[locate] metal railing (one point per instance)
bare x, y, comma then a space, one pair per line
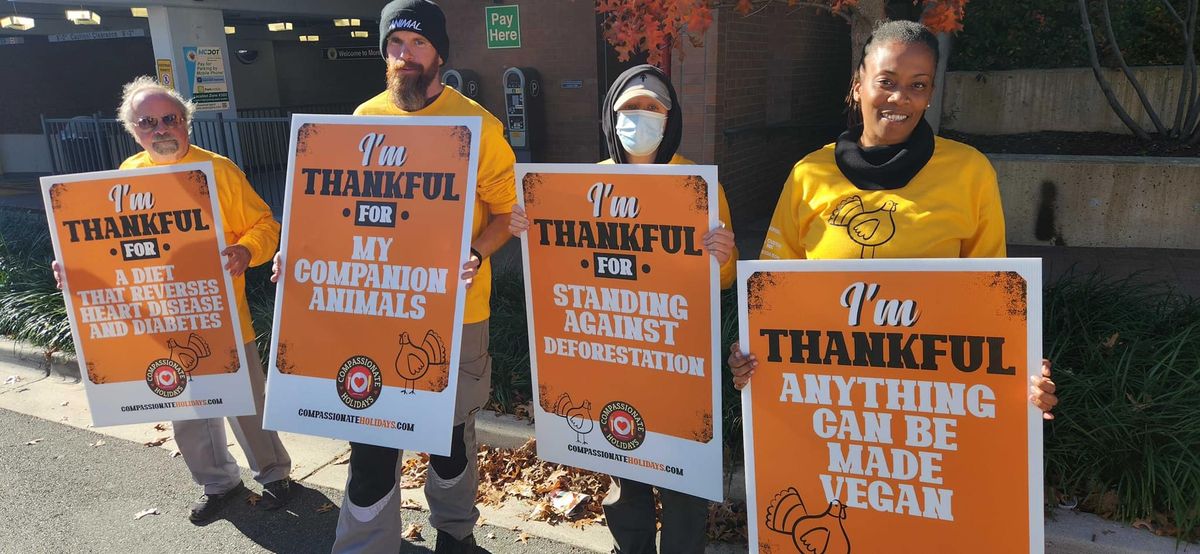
342, 108
258, 145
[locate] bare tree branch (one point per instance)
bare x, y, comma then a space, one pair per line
824, 7
1189, 37
1137, 85
1104, 85
1171, 8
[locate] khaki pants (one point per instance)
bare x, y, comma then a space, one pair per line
205, 450
629, 509
370, 518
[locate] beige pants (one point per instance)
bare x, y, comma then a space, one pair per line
205, 450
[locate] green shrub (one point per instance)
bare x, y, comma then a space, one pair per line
1031, 34
1127, 362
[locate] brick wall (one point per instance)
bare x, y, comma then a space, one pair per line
783, 75
558, 38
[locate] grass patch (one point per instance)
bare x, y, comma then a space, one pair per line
1127, 361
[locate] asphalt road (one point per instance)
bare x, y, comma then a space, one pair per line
62, 494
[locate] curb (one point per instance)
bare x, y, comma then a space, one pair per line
1066, 531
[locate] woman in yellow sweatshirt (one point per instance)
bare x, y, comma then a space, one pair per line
889, 188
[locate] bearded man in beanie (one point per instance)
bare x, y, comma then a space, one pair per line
415, 45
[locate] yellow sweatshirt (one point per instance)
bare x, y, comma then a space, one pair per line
495, 186
246, 218
950, 209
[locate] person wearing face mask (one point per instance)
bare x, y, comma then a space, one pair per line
889, 188
643, 124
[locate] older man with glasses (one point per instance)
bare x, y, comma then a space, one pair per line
159, 119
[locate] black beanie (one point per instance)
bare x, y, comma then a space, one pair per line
423, 17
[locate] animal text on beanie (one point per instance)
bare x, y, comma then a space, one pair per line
418, 16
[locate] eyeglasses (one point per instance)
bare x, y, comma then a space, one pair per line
148, 123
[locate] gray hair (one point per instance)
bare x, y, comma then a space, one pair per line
148, 84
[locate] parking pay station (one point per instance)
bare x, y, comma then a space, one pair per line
464, 81
523, 112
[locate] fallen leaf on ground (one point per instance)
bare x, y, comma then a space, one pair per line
326, 507
12, 379
176, 453
158, 442
409, 504
412, 533
64, 403
160, 426
253, 498
491, 535
34, 441
542, 511
523, 538
146, 512
97, 443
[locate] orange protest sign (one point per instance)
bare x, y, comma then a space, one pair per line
889, 410
369, 307
152, 313
622, 304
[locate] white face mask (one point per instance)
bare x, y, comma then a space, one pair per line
640, 131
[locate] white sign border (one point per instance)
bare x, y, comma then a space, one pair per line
1028, 268
237, 399
290, 386
703, 486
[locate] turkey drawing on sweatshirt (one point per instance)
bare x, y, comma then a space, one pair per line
870, 229
812, 533
414, 360
579, 418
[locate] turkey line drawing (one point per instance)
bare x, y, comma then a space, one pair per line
868, 229
579, 418
188, 356
414, 361
822, 533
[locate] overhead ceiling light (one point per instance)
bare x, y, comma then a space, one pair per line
347, 22
309, 38
360, 34
17, 23
230, 30
139, 12
83, 17
280, 26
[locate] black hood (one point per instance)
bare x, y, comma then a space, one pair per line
608, 118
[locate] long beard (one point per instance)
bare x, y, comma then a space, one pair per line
408, 91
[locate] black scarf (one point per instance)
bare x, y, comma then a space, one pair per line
883, 167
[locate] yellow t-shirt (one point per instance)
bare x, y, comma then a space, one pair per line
950, 209
495, 185
245, 217
729, 268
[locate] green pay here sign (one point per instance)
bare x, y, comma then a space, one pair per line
503, 24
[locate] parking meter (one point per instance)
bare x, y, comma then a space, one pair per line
523, 112
464, 81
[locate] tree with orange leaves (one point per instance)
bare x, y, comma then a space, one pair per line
653, 25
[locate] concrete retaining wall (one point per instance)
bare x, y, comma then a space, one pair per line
1100, 201
1031, 100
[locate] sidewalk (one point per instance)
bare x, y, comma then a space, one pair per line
54, 393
